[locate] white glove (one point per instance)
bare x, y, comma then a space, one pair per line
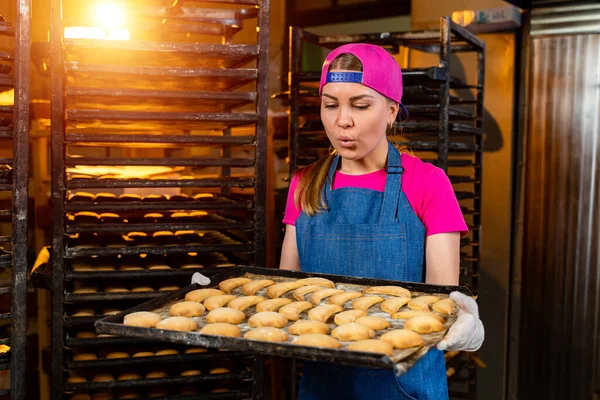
200, 279
467, 332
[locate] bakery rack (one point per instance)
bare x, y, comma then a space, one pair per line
158, 170
14, 166
444, 127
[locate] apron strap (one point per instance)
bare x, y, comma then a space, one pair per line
393, 185
330, 176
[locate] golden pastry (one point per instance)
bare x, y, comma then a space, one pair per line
341, 298
402, 338
186, 309
424, 324
319, 295
445, 306
292, 311
305, 327
181, 324
117, 354
156, 375
218, 301
167, 352
110, 311
272, 304
168, 288
304, 290
143, 354
142, 289
267, 334
221, 329
199, 295
373, 322
84, 312
364, 303
144, 319
346, 317
191, 372
267, 318
352, 332
241, 303
114, 289
196, 350
278, 289
219, 370
129, 376
422, 303
159, 267
323, 312
372, 346
389, 290
85, 357
252, 287
317, 281
226, 315
411, 313
392, 305
317, 340
103, 377
229, 284
76, 379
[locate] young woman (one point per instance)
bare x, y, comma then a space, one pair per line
369, 210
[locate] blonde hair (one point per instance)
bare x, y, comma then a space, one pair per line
307, 196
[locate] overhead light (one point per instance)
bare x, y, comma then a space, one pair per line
110, 14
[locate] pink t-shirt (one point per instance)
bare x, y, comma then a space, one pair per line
426, 187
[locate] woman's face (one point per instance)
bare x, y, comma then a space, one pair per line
355, 118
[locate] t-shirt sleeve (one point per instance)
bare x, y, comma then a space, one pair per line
291, 212
440, 212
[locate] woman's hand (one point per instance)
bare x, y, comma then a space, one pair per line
467, 333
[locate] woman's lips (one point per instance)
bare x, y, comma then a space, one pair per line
345, 142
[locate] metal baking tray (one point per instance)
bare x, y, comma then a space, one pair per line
189, 55
401, 361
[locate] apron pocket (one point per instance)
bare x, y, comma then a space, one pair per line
400, 389
379, 251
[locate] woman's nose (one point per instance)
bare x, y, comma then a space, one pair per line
345, 118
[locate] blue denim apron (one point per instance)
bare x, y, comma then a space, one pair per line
375, 235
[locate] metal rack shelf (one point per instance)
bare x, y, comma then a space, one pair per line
141, 383
113, 98
14, 126
133, 361
161, 100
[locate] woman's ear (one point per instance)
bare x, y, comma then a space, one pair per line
394, 109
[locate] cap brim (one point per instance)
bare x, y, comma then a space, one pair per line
403, 113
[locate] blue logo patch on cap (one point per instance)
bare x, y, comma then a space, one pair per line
352, 77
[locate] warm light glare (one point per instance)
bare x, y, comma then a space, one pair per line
7, 98
110, 15
88, 32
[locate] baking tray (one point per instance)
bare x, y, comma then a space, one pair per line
401, 361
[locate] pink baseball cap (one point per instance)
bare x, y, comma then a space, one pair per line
380, 71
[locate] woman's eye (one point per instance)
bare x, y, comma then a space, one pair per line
361, 106
330, 106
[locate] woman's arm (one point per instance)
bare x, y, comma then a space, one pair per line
442, 258
289, 251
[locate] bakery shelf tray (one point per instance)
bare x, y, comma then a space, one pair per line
401, 360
